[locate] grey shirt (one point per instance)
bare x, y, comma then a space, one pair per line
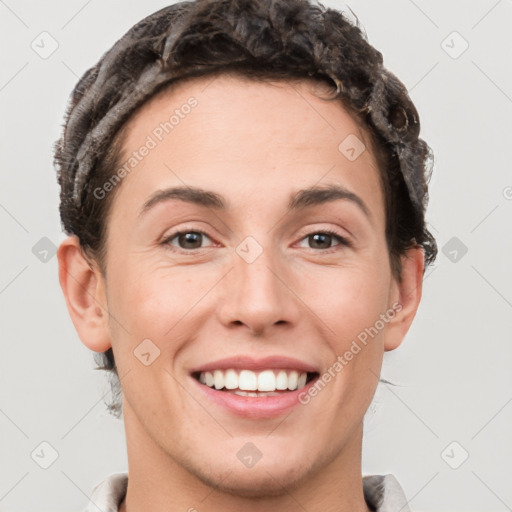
381, 492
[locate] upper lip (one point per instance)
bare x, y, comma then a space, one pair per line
244, 362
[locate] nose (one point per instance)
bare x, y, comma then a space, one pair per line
259, 295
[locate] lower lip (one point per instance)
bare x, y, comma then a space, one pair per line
255, 406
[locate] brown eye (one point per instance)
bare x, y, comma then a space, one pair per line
191, 240
320, 241
324, 240
186, 240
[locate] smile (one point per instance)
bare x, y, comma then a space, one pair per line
255, 388
270, 382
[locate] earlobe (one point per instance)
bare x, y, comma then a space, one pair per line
407, 294
84, 290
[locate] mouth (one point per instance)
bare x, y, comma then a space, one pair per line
244, 382
252, 388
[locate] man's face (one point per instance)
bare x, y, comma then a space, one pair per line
255, 287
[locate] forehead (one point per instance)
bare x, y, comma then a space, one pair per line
229, 131
249, 103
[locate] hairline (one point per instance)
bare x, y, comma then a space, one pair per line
117, 150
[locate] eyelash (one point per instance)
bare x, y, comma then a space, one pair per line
341, 239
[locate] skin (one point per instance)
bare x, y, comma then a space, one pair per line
198, 305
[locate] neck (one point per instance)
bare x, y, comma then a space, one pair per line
157, 482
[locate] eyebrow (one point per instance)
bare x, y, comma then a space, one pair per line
303, 198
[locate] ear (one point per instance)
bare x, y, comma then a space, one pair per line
83, 286
406, 296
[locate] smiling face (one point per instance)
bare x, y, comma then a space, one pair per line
245, 240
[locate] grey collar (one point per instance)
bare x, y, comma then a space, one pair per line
381, 492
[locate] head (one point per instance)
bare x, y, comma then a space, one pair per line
251, 102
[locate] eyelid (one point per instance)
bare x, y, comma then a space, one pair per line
186, 229
343, 234
343, 240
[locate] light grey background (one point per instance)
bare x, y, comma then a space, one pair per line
454, 366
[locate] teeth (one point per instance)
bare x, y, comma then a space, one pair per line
252, 393
247, 380
231, 379
218, 379
282, 381
267, 381
293, 379
249, 383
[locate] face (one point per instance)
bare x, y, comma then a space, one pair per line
226, 270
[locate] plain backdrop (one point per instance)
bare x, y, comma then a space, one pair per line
445, 430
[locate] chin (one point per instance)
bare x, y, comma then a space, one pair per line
261, 482
280, 469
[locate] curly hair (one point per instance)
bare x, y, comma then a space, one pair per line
258, 39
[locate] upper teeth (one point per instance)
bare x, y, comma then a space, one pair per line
247, 380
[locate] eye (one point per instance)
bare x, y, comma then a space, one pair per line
186, 239
191, 240
323, 239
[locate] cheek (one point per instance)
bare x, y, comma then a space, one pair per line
353, 309
149, 308
347, 300
151, 301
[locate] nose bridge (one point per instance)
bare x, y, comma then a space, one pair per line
257, 280
256, 294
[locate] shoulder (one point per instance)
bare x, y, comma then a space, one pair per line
384, 494
107, 495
